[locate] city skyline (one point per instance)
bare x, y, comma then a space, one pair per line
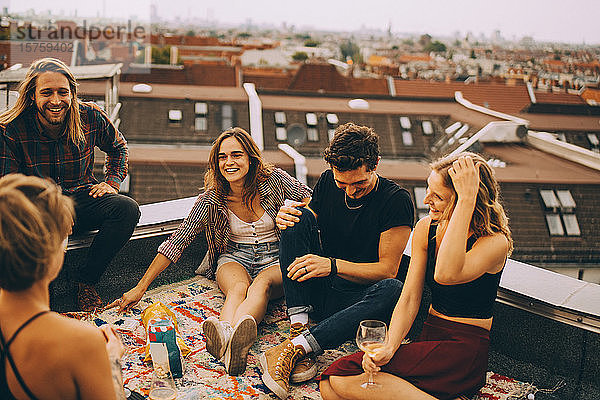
542, 20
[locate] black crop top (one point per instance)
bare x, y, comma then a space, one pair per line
473, 299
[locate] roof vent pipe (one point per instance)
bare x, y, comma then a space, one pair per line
255, 109
531, 94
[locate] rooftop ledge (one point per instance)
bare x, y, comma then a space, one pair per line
526, 287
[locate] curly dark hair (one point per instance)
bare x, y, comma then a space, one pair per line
353, 146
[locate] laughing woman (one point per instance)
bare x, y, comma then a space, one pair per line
459, 250
237, 213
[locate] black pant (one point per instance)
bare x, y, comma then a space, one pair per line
338, 304
115, 216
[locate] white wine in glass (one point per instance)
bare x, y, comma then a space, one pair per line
370, 337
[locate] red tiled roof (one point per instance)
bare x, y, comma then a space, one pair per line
558, 98
161, 91
318, 77
194, 74
267, 79
591, 94
498, 97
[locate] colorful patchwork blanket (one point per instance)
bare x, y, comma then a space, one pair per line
196, 299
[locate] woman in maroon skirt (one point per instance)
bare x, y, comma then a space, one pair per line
460, 250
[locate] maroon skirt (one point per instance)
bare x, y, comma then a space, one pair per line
448, 359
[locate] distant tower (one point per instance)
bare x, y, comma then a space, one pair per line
389, 30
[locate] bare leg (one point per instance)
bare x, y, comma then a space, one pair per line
390, 387
327, 392
233, 280
266, 286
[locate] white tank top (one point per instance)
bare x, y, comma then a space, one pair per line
261, 231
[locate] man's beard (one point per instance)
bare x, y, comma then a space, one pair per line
50, 120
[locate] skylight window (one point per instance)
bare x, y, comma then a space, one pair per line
201, 108
175, 116
332, 119
332, 122
405, 123
280, 128
427, 127
560, 212
453, 128
226, 116
311, 119
549, 198
200, 119
407, 138
280, 118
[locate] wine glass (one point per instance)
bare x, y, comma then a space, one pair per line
370, 337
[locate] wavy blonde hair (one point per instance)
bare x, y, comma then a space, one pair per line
259, 170
35, 218
489, 216
26, 99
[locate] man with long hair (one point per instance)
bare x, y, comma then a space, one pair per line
339, 256
49, 133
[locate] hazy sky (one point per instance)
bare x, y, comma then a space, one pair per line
572, 21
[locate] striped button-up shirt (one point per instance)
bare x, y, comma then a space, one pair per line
26, 148
209, 214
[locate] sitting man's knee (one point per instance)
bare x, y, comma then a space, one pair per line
129, 210
307, 221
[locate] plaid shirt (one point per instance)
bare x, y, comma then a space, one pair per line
209, 214
27, 149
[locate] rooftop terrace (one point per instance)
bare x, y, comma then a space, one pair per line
546, 329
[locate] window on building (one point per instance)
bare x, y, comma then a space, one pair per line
427, 127
226, 116
405, 123
453, 128
312, 134
560, 212
200, 119
280, 126
280, 118
281, 133
332, 123
175, 116
407, 138
422, 208
594, 142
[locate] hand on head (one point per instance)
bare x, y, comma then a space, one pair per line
465, 177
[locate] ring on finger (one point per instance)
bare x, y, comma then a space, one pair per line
305, 270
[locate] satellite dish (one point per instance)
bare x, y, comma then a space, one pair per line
296, 135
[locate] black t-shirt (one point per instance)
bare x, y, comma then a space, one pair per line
353, 234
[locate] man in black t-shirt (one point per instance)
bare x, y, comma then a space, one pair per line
338, 256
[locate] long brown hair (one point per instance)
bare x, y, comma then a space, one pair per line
489, 216
35, 217
26, 99
258, 171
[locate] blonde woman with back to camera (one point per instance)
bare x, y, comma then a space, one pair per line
45, 355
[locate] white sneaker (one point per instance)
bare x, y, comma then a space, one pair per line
217, 335
242, 338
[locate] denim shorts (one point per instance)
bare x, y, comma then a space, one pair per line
253, 257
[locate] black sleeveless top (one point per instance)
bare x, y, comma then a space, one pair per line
473, 299
5, 354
